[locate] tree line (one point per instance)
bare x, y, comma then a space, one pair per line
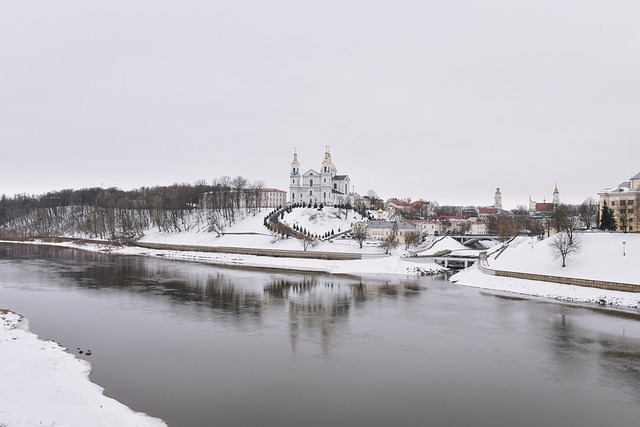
111, 213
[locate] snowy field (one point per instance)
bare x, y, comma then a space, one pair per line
43, 385
602, 257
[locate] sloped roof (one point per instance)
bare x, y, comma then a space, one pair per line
544, 207
636, 177
487, 211
399, 203
341, 178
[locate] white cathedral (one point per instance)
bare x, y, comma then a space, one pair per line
326, 186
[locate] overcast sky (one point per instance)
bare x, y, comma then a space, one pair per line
440, 100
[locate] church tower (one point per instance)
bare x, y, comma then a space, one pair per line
497, 199
295, 181
556, 197
326, 173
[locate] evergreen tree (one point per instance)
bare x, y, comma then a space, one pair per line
607, 220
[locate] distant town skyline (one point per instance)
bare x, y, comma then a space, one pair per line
437, 101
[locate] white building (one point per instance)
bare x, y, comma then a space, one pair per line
272, 198
269, 198
381, 229
326, 186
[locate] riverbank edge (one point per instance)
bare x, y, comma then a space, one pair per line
476, 278
234, 259
44, 383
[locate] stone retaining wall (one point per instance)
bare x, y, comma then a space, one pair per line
339, 256
600, 284
588, 283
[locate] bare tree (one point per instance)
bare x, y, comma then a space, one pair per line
465, 227
521, 219
373, 199
563, 247
359, 232
412, 237
634, 211
308, 241
623, 215
588, 212
391, 240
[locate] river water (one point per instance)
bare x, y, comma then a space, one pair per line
198, 345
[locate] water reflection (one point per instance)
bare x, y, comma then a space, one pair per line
316, 304
199, 345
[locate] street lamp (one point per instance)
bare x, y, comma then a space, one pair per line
624, 252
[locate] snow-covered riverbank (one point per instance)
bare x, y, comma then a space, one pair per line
602, 256
43, 385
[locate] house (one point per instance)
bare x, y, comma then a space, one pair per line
397, 206
453, 224
623, 200
484, 213
428, 227
478, 228
381, 229
272, 198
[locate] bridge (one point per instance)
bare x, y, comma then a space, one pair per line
469, 240
455, 262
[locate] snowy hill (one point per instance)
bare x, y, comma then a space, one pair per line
602, 256
250, 232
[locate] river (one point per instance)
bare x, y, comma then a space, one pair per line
198, 345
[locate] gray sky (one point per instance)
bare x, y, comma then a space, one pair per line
441, 100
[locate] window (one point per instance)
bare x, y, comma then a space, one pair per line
311, 192
613, 203
630, 202
310, 183
335, 186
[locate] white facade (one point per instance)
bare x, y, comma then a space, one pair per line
326, 186
272, 198
497, 199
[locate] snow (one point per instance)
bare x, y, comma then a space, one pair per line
249, 232
43, 385
601, 257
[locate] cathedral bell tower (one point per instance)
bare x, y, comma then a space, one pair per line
326, 195
295, 181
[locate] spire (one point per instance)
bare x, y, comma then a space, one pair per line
556, 196
295, 157
327, 154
